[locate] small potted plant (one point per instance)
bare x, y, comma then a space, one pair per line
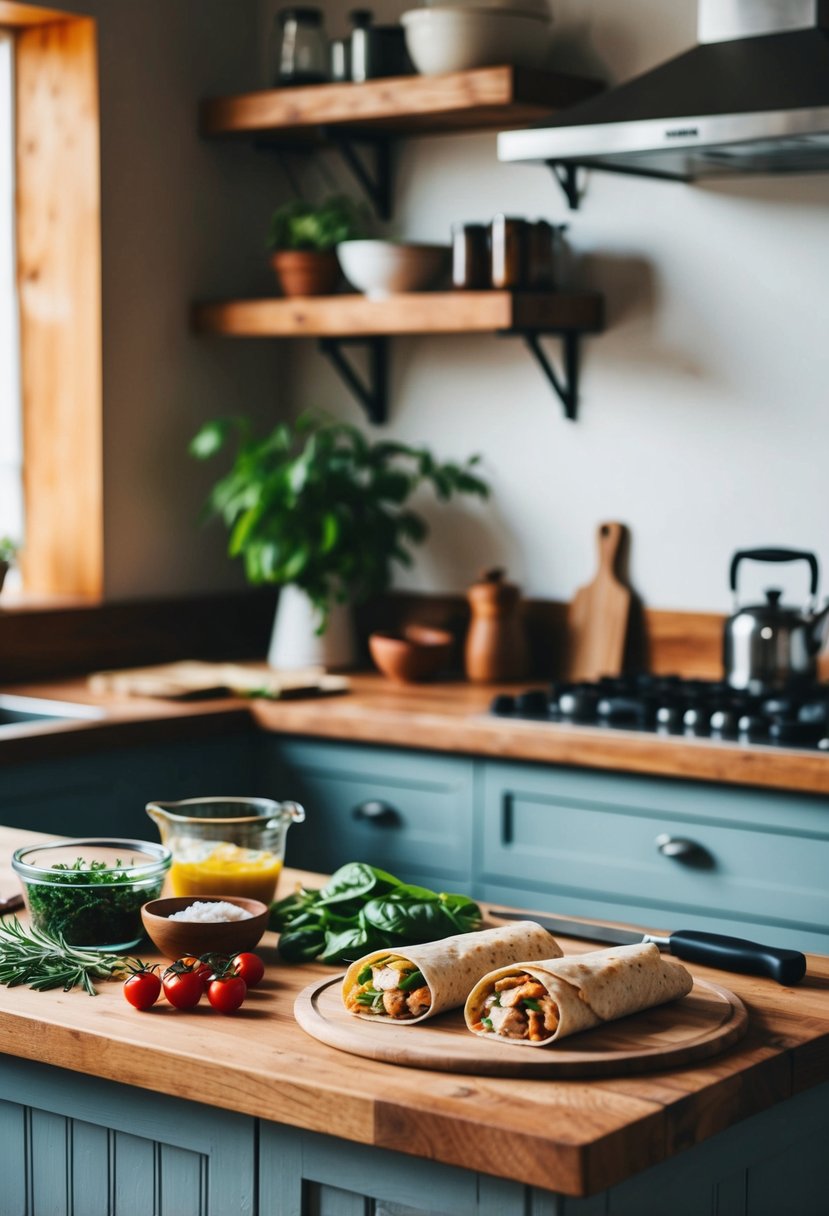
304, 238
8, 552
321, 510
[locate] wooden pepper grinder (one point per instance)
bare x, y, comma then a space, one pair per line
496, 649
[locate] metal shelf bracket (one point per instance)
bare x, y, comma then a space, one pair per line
373, 394
567, 178
567, 389
377, 185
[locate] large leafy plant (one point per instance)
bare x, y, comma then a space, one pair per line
299, 225
319, 505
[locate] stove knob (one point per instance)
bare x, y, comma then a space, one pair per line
753, 727
723, 722
532, 704
695, 721
579, 703
503, 705
823, 745
793, 732
669, 718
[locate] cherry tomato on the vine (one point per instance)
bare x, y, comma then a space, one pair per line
182, 988
202, 968
142, 989
227, 992
249, 966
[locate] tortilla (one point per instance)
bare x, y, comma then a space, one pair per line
589, 989
451, 967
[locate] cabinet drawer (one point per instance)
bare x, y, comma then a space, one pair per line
407, 812
594, 837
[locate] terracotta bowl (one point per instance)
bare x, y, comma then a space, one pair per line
304, 272
415, 654
177, 938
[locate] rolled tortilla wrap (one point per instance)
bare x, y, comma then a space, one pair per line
580, 992
451, 967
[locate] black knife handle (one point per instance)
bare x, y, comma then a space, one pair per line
736, 954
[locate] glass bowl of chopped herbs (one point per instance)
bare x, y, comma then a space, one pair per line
90, 892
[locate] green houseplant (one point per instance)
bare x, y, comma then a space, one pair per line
321, 510
303, 239
8, 553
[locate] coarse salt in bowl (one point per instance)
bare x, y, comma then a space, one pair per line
211, 912
177, 938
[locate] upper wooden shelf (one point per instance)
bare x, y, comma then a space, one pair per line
484, 98
450, 312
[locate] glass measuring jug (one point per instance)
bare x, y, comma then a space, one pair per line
225, 846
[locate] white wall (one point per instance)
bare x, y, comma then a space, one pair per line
704, 416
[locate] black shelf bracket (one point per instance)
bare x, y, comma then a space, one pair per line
567, 389
373, 393
376, 184
567, 178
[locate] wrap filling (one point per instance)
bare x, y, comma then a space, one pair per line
392, 987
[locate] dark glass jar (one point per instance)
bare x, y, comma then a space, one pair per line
470, 256
301, 48
508, 259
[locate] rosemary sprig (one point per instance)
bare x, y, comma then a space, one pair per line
30, 956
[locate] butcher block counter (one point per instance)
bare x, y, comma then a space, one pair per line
448, 717
759, 1102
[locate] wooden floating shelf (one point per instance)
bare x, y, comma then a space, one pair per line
451, 312
484, 98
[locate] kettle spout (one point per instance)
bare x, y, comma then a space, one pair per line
819, 629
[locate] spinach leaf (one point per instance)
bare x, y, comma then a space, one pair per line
301, 945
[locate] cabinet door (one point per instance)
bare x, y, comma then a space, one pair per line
407, 812
305, 1174
71, 1144
105, 793
589, 843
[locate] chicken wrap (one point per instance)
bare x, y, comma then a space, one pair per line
417, 982
543, 1001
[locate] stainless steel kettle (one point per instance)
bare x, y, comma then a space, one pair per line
769, 646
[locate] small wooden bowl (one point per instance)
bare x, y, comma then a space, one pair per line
413, 655
178, 938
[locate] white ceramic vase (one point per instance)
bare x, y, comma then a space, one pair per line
295, 642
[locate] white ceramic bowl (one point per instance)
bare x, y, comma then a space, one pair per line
385, 268
456, 39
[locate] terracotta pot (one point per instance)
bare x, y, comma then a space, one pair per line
303, 272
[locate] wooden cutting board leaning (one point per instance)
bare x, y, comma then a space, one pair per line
191, 678
597, 618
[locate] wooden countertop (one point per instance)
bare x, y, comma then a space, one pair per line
574, 1137
446, 717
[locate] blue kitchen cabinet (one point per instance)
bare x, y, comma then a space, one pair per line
72, 1144
104, 793
405, 811
656, 852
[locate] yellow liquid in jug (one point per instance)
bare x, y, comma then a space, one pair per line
217, 868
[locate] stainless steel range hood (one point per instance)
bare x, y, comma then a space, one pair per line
752, 97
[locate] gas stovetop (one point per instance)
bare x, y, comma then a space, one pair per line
669, 705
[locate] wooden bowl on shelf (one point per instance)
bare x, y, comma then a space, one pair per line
412, 655
179, 938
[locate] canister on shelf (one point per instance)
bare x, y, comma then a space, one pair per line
542, 240
470, 256
508, 258
301, 50
496, 646
339, 59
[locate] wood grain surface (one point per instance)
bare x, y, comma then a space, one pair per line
493, 97
575, 1136
597, 619
706, 1022
423, 312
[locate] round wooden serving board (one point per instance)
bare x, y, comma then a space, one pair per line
705, 1022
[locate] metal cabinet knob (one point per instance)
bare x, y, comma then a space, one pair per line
680, 848
379, 814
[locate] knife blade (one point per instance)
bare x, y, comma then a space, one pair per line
691, 945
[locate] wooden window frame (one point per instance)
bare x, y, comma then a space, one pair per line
59, 290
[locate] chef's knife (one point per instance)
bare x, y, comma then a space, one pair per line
709, 949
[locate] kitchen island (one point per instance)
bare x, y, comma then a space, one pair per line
108, 1110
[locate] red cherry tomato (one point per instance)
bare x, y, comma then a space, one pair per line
142, 989
183, 989
227, 993
249, 966
202, 968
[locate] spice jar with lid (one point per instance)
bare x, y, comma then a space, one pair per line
301, 48
496, 648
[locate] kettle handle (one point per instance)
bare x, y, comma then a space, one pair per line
776, 555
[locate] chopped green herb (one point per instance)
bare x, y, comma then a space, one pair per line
529, 1003
365, 975
368, 997
90, 904
413, 980
487, 1022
